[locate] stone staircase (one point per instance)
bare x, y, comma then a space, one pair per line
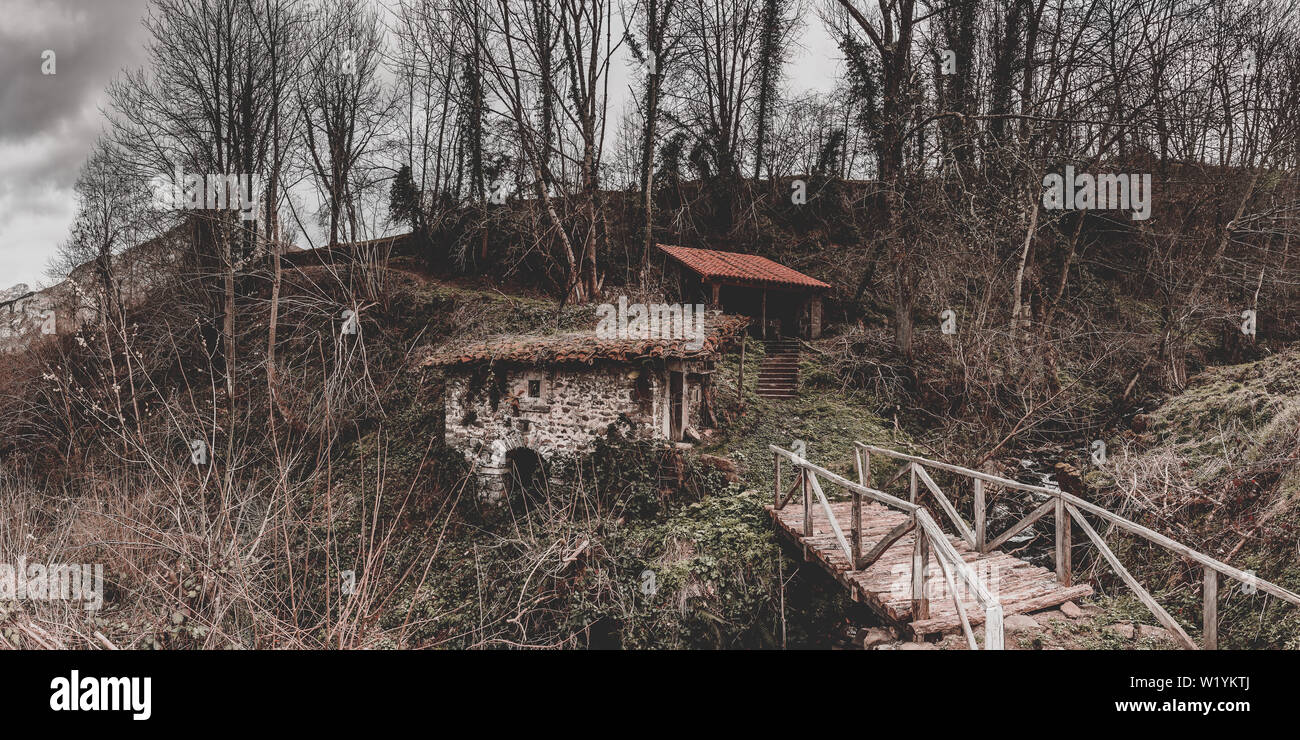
778, 375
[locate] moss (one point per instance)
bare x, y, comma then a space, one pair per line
828, 423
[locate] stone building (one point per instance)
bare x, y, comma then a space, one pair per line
513, 403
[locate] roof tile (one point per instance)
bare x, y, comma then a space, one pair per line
746, 268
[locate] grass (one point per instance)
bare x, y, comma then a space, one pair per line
827, 422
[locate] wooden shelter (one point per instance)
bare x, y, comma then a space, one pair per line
784, 301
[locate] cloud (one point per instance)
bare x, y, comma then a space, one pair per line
49, 122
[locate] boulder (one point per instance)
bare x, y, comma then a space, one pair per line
918, 646
873, 636
1153, 633
722, 464
1123, 629
1069, 478
1071, 610
1019, 623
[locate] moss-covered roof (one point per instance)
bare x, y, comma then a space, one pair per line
587, 347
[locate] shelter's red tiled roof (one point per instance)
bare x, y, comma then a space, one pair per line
742, 268
585, 348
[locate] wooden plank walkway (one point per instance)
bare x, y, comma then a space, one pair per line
886, 586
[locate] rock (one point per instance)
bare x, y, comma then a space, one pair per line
918, 646
1071, 610
871, 637
727, 467
1019, 623
1153, 633
1049, 615
1069, 478
1124, 630
1141, 423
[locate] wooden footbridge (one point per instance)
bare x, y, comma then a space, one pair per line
897, 559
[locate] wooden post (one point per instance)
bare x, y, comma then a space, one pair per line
920, 559
714, 287
1062, 543
980, 541
807, 503
866, 467
1210, 595
912, 469
857, 464
993, 627
764, 319
776, 500
855, 530
740, 382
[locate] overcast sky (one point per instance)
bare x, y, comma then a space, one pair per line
48, 122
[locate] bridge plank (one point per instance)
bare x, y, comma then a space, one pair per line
885, 585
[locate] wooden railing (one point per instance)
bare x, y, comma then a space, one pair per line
1067, 508
929, 540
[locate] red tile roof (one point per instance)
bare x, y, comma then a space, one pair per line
741, 268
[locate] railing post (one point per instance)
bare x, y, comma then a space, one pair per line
855, 533
911, 469
857, 464
866, 467
807, 503
920, 560
993, 627
776, 500
980, 542
1210, 595
1062, 543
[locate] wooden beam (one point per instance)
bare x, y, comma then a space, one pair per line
956, 600
1210, 598
981, 541
790, 493
993, 637
807, 502
855, 531
887, 542
830, 516
920, 560
1063, 549
1030, 518
1117, 520
776, 484
962, 528
1160, 614
845, 483
740, 381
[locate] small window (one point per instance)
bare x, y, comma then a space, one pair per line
535, 389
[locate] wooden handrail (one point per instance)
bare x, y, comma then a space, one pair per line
1109, 516
1068, 506
929, 536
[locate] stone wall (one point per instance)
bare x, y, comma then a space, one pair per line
572, 407
26, 316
